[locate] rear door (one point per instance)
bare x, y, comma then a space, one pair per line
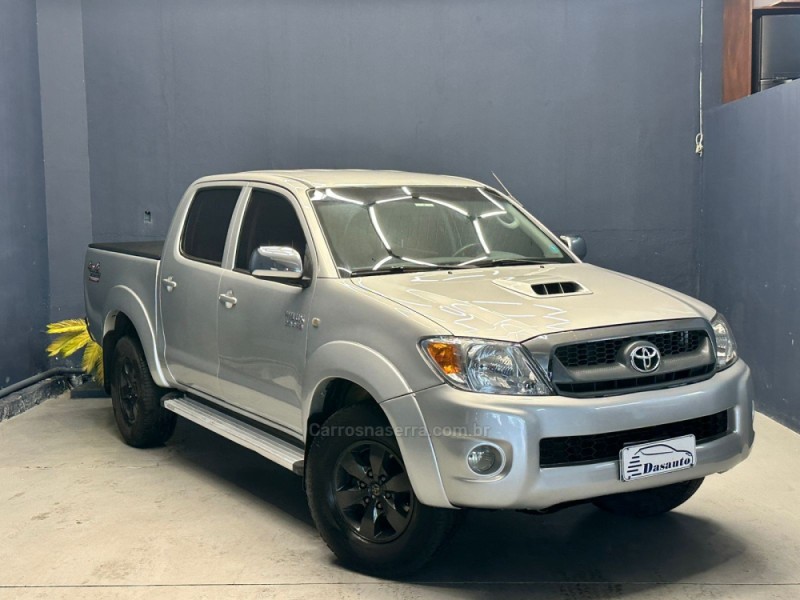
189, 287
262, 335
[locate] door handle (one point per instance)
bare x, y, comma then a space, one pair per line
169, 283
228, 299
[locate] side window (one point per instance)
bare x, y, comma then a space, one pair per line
207, 224
270, 220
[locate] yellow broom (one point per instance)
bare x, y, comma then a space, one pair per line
72, 335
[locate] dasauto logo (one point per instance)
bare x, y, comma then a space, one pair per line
656, 458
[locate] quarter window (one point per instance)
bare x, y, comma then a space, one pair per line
270, 220
207, 224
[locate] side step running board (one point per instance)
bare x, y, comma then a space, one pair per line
275, 449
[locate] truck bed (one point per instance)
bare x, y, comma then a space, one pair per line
149, 249
129, 272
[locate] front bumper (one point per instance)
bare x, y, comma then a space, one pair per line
455, 421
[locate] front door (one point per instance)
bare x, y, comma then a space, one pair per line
189, 289
263, 329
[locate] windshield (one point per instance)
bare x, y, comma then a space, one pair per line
373, 230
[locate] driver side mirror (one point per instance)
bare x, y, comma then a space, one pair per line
576, 244
279, 263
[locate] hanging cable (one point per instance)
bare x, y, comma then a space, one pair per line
698, 140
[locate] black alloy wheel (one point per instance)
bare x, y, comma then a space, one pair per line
373, 492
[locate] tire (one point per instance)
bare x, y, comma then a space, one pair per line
136, 399
649, 503
374, 522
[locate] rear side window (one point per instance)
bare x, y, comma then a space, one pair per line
207, 224
270, 220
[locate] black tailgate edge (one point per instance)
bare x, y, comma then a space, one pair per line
144, 249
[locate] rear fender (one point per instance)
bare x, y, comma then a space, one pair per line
122, 299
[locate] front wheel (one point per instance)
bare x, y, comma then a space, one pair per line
649, 503
136, 398
361, 498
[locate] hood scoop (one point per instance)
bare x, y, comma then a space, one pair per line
557, 288
545, 289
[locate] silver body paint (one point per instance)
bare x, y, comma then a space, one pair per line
270, 355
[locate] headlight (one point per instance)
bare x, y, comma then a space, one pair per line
485, 366
726, 345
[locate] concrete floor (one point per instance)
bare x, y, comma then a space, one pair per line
84, 516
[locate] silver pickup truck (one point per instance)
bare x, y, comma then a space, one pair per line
412, 346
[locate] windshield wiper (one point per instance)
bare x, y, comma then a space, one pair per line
504, 262
487, 262
397, 269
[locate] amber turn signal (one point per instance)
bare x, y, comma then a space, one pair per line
446, 356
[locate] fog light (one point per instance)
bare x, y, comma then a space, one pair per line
485, 460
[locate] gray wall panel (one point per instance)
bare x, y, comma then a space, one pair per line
66, 152
23, 232
751, 238
586, 109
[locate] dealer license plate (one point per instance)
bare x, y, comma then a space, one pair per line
655, 458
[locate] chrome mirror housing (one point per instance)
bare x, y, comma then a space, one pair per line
576, 244
276, 262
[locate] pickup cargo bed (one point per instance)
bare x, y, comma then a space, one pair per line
143, 249
118, 269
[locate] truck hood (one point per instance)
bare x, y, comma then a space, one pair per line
501, 303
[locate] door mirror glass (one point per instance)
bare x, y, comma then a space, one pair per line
576, 244
276, 262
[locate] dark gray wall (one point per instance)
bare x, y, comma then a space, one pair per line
586, 109
712, 53
66, 152
23, 232
750, 254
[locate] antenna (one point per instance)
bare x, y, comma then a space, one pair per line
503, 185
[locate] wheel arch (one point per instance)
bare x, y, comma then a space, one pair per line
330, 396
341, 364
126, 315
353, 373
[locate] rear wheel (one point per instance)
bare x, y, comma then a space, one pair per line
649, 503
136, 399
361, 498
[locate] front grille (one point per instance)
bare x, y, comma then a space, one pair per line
601, 366
634, 383
604, 352
604, 447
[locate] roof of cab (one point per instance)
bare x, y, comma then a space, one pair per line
314, 178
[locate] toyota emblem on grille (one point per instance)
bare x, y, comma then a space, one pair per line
644, 357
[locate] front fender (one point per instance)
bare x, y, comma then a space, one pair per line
122, 299
355, 362
378, 376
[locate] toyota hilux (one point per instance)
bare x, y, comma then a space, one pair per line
413, 346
